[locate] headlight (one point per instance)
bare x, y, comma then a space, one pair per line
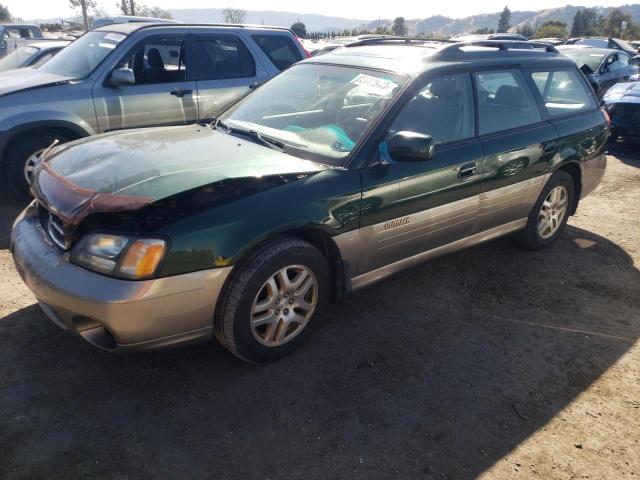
119, 256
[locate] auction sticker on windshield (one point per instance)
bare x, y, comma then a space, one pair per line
378, 85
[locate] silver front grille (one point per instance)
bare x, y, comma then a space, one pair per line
56, 232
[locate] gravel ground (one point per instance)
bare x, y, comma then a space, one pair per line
493, 362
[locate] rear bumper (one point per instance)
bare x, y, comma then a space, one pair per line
113, 314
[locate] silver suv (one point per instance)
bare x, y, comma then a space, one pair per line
133, 75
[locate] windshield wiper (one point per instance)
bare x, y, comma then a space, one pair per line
266, 141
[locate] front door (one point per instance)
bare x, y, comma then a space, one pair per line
163, 92
412, 207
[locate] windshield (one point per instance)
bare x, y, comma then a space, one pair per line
317, 112
81, 57
16, 58
585, 57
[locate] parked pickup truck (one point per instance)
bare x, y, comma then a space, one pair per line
133, 75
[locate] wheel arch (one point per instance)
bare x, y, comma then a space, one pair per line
572, 167
69, 129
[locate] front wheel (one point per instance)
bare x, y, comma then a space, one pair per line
272, 301
550, 213
23, 157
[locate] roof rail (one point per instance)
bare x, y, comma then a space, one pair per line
502, 45
233, 25
397, 41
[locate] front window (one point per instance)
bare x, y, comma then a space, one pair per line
318, 112
16, 58
81, 57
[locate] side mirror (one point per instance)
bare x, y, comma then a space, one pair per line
586, 69
122, 76
635, 60
411, 147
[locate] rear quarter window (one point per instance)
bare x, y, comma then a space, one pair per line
563, 92
280, 49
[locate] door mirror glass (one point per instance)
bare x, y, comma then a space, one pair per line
122, 76
411, 147
635, 60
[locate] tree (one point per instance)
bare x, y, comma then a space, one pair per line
300, 29
5, 16
504, 22
84, 6
483, 31
399, 27
526, 30
155, 12
612, 25
234, 15
585, 23
552, 29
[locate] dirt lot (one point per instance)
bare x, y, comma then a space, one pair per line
493, 362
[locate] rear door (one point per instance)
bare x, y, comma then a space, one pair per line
413, 207
227, 70
518, 145
164, 88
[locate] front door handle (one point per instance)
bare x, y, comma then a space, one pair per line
178, 92
467, 170
549, 147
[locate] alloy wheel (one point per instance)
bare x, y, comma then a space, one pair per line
30, 165
553, 211
284, 305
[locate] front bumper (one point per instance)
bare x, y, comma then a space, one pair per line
114, 314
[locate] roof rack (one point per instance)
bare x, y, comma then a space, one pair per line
397, 41
451, 45
501, 45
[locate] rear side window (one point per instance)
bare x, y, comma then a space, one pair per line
504, 101
280, 49
224, 57
443, 109
563, 92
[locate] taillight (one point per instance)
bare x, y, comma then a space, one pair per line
607, 117
306, 52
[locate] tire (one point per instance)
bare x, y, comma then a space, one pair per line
18, 155
247, 290
532, 237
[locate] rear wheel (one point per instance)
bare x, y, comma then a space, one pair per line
22, 157
550, 213
273, 300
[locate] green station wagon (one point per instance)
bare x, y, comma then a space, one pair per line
340, 171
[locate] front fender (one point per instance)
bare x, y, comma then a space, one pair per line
220, 236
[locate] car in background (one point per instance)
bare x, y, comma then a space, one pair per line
489, 36
133, 75
604, 67
603, 42
551, 41
622, 103
635, 44
14, 35
31, 55
102, 21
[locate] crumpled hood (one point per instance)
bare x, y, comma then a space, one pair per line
623, 92
26, 78
160, 162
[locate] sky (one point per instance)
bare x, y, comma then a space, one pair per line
360, 9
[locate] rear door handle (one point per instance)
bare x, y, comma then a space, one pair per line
467, 170
180, 92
